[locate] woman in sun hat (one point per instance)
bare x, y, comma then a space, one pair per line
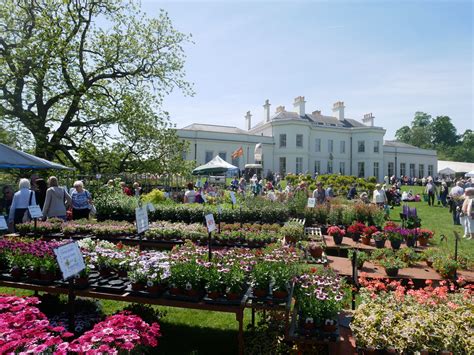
468, 212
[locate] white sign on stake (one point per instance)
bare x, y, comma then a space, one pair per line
3, 223
150, 207
232, 197
141, 217
35, 211
311, 202
69, 259
211, 225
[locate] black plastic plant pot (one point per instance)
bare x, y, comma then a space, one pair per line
392, 272
396, 244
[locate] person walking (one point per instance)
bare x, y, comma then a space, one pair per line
431, 191
190, 194
319, 194
443, 193
352, 192
57, 200
81, 201
23, 198
379, 197
468, 212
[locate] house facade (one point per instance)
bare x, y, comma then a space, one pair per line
301, 142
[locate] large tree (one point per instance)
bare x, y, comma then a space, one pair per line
67, 69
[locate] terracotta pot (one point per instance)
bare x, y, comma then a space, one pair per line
260, 293
233, 296
316, 251
365, 240
280, 294
422, 241
138, 286
214, 295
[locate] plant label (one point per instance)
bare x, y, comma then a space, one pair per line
311, 202
210, 223
69, 259
232, 197
35, 211
141, 217
3, 223
150, 207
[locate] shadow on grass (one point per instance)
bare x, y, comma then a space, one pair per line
181, 339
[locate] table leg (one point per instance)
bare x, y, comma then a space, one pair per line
240, 318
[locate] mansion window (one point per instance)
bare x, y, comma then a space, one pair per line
342, 168
412, 170
376, 146
317, 145
361, 169
430, 170
330, 145
376, 170
361, 146
209, 156
403, 169
299, 141
282, 166
391, 169
343, 147
299, 165
317, 167
421, 170
223, 155
329, 167
282, 140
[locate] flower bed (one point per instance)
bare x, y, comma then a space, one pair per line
402, 320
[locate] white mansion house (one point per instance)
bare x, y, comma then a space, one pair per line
300, 142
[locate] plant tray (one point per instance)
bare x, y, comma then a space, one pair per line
110, 285
269, 300
143, 293
184, 298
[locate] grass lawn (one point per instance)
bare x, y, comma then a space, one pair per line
438, 219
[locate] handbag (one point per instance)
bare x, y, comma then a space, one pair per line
26, 216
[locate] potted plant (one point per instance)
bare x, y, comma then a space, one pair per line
408, 256
234, 280
214, 282
187, 277
316, 249
395, 237
355, 230
282, 274
138, 278
379, 239
445, 266
362, 257
367, 234
429, 255
410, 237
391, 266
424, 235
81, 281
293, 232
337, 234
261, 276
48, 269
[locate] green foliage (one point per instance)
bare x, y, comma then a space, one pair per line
155, 196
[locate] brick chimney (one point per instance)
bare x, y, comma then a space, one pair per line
248, 120
338, 109
266, 111
368, 119
299, 105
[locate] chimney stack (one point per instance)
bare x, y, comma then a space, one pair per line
368, 119
280, 109
248, 120
299, 105
316, 113
338, 109
266, 110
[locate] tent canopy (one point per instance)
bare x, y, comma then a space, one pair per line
10, 158
470, 174
446, 171
215, 166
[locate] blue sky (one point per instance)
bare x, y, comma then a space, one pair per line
391, 58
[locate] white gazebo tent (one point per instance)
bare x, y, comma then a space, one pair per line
446, 172
470, 174
215, 166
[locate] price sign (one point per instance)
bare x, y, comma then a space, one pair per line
311, 202
69, 259
232, 197
210, 223
141, 217
150, 207
3, 223
35, 211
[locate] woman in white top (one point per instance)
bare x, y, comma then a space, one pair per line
21, 200
379, 196
468, 211
57, 200
190, 194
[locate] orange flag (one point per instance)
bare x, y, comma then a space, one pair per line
238, 153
